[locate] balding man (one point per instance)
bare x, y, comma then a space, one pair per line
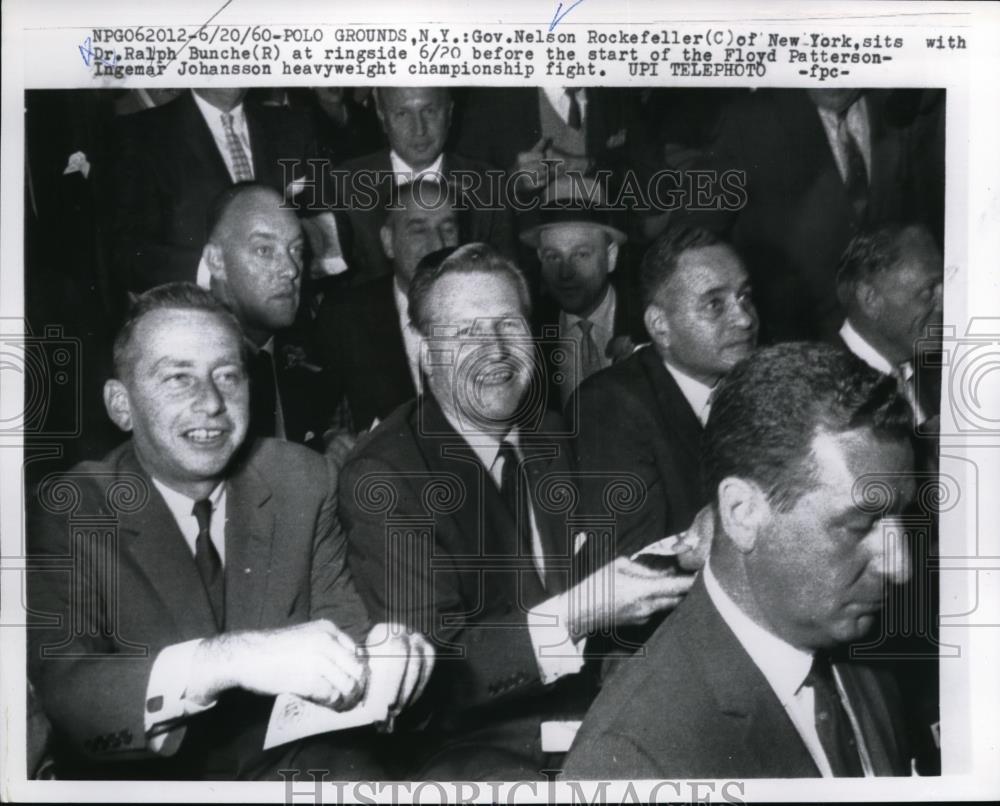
254, 259
416, 121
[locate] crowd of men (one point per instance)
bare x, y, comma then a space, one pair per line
569, 483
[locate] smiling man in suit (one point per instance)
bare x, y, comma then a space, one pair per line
750, 677
456, 531
225, 582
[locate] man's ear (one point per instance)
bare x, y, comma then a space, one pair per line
212, 255
657, 325
743, 509
117, 403
385, 235
612, 255
868, 298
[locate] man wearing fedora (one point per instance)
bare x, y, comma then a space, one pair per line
582, 298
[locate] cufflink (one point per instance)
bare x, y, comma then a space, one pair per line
154, 704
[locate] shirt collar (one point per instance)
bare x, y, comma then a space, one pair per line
559, 100
180, 506
857, 344
695, 392
784, 666
399, 166
485, 446
213, 115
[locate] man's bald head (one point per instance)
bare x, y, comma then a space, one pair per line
254, 257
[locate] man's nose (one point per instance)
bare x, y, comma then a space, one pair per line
290, 267
209, 400
567, 269
744, 315
891, 552
420, 125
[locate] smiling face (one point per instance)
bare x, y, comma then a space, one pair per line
416, 121
703, 320
185, 398
478, 358
576, 260
255, 262
820, 572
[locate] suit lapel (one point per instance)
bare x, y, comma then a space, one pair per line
194, 133
742, 693
675, 413
249, 542
152, 538
871, 710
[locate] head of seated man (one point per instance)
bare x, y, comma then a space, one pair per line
890, 283
421, 219
697, 303
415, 121
472, 310
807, 450
577, 258
180, 387
254, 258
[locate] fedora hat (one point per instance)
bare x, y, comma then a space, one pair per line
571, 199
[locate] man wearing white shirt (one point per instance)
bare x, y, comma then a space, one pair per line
227, 585
801, 563
416, 121
645, 415
485, 567
890, 283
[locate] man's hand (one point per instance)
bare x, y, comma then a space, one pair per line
532, 172
410, 656
622, 593
316, 661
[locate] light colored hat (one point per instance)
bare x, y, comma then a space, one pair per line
571, 199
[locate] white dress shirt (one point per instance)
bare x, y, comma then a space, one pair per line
556, 653
559, 100
860, 346
168, 679
785, 668
697, 394
213, 118
857, 125
403, 173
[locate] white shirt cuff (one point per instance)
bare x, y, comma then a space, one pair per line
165, 701
555, 650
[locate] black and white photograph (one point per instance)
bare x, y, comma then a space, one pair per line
412, 405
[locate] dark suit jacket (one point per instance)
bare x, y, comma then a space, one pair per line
696, 706
285, 564
500, 122
421, 512
362, 243
632, 418
168, 172
798, 218
361, 348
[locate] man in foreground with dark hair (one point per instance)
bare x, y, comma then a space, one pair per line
808, 459
215, 580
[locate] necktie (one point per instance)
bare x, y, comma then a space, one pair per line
832, 723
241, 165
590, 356
904, 377
515, 495
263, 396
856, 179
575, 118
208, 562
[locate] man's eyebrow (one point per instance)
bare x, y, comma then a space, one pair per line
169, 360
